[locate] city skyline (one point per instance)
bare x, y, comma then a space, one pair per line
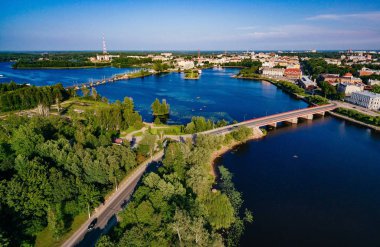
170, 25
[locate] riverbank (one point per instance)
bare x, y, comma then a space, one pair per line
337, 115
303, 98
58, 68
224, 149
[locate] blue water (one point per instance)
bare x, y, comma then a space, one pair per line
215, 95
313, 184
68, 77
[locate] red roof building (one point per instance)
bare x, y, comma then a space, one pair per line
293, 73
118, 141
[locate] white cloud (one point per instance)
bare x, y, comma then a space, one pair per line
371, 16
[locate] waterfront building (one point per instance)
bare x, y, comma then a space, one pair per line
349, 88
273, 72
184, 64
366, 99
106, 57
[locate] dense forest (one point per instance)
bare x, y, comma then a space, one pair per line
21, 97
24, 64
247, 63
180, 205
125, 62
52, 169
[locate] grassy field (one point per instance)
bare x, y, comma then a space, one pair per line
167, 130
45, 238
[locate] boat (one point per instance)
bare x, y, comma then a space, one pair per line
1, 76
199, 71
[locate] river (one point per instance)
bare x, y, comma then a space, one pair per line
312, 184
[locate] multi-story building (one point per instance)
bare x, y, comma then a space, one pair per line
335, 78
366, 99
273, 72
349, 88
184, 64
294, 73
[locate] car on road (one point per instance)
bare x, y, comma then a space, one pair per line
92, 224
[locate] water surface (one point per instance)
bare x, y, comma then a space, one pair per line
313, 184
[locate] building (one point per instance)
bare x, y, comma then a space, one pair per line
183, 64
306, 83
335, 78
330, 78
349, 78
333, 61
349, 88
273, 72
106, 57
367, 72
366, 99
293, 73
373, 82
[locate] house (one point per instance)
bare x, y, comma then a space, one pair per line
118, 141
293, 73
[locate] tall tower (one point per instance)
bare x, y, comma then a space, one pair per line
199, 56
104, 46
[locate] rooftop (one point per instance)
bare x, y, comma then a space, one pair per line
368, 93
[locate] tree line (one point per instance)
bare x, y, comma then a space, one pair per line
53, 169
27, 97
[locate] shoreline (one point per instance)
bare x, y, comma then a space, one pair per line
334, 114
340, 116
224, 149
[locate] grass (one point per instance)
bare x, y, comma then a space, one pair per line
127, 131
45, 238
138, 134
167, 130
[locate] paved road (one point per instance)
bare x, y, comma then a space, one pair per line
262, 121
106, 214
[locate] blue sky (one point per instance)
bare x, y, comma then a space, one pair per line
189, 25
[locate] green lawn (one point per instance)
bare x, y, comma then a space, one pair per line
167, 130
45, 238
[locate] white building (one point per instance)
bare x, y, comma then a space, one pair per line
373, 82
273, 72
366, 99
349, 88
185, 64
106, 57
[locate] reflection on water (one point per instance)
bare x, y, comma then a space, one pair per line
312, 184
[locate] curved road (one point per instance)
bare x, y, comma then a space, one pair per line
106, 214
